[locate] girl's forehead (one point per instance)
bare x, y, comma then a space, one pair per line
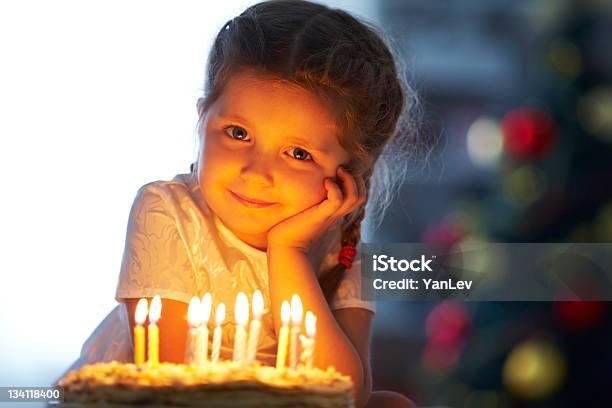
257, 99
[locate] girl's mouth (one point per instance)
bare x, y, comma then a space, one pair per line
250, 202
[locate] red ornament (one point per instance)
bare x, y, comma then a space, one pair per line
447, 324
580, 314
528, 134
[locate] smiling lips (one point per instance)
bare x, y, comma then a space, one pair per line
250, 202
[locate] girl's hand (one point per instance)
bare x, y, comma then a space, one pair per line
300, 230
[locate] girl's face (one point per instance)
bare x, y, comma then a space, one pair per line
267, 149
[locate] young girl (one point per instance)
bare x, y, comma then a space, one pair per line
300, 103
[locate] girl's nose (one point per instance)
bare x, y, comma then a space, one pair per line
257, 173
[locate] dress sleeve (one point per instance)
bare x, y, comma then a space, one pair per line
155, 258
349, 290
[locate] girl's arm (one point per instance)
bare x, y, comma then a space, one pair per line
356, 323
172, 328
343, 343
290, 271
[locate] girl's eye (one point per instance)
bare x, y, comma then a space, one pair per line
300, 154
236, 132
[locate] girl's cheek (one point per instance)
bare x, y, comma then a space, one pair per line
216, 153
305, 191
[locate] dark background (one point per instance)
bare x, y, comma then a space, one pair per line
533, 77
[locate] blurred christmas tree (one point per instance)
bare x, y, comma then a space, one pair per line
530, 160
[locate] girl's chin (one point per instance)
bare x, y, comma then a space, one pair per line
248, 226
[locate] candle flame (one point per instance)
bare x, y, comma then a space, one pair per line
311, 324
296, 310
220, 315
241, 309
285, 312
141, 311
258, 304
206, 307
155, 310
194, 315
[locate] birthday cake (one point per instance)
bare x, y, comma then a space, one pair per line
221, 384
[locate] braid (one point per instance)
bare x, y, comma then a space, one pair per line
350, 235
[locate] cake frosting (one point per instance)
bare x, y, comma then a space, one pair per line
223, 384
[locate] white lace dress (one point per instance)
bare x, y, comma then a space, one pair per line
177, 248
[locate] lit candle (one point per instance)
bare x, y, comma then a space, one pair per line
296, 322
308, 341
241, 316
216, 346
193, 316
139, 333
153, 330
283, 335
201, 355
255, 327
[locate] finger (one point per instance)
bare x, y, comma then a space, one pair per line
362, 195
351, 189
334, 197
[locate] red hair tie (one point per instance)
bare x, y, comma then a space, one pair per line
346, 256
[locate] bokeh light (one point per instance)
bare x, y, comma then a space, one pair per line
442, 233
595, 112
528, 134
447, 323
474, 262
564, 58
447, 326
524, 185
484, 142
579, 315
534, 370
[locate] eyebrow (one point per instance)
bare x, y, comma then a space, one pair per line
292, 138
234, 117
